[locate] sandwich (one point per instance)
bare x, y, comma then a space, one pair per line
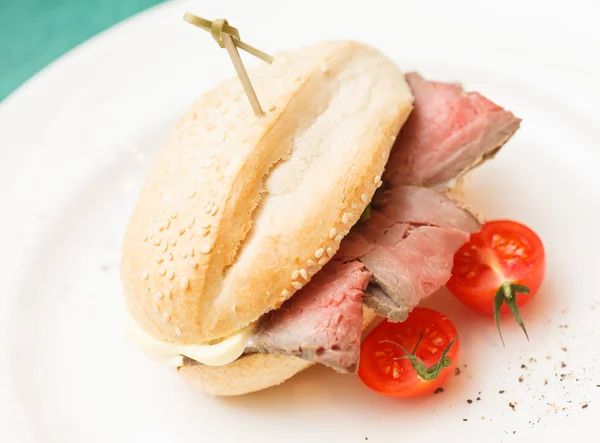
260, 246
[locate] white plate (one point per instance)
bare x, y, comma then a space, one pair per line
78, 138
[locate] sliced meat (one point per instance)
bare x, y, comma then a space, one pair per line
408, 244
362, 238
414, 267
322, 322
395, 210
448, 133
424, 206
383, 305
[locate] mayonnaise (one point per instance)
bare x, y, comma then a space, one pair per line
171, 354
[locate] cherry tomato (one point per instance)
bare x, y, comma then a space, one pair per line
503, 264
410, 359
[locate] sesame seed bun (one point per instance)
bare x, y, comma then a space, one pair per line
239, 212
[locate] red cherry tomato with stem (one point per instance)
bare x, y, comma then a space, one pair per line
410, 359
499, 270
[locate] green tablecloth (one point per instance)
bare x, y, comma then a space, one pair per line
33, 33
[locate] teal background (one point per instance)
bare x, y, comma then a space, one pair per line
33, 33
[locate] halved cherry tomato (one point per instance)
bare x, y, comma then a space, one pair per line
410, 359
504, 263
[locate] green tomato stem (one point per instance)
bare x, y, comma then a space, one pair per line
507, 293
425, 373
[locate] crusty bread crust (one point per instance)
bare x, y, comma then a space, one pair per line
252, 372
238, 210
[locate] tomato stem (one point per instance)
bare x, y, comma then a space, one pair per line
425, 373
507, 293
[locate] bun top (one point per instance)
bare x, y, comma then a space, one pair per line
239, 212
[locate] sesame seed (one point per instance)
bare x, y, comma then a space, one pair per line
310, 262
338, 238
194, 263
295, 275
364, 198
379, 183
285, 293
205, 249
192, 223
173, 214
192, 194
156, 241
207, 210
297, 284
377, 179
190, 251
162, 271
164, 245
178, 330
332, 233
330, 252
172, 242
166, 317
184, 283
182, 231
322, 261
170, 275
144, 237
214, 211
167, 224
145, 275
150, 234
345, 218
205, 225
204, 233
156, 307
304, 274
183, 254
298, 78
272, 108
324, 68
170, 257
169, 294
158, 295
319, 253
159, 260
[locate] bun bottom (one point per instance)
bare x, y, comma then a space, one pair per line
251, 372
